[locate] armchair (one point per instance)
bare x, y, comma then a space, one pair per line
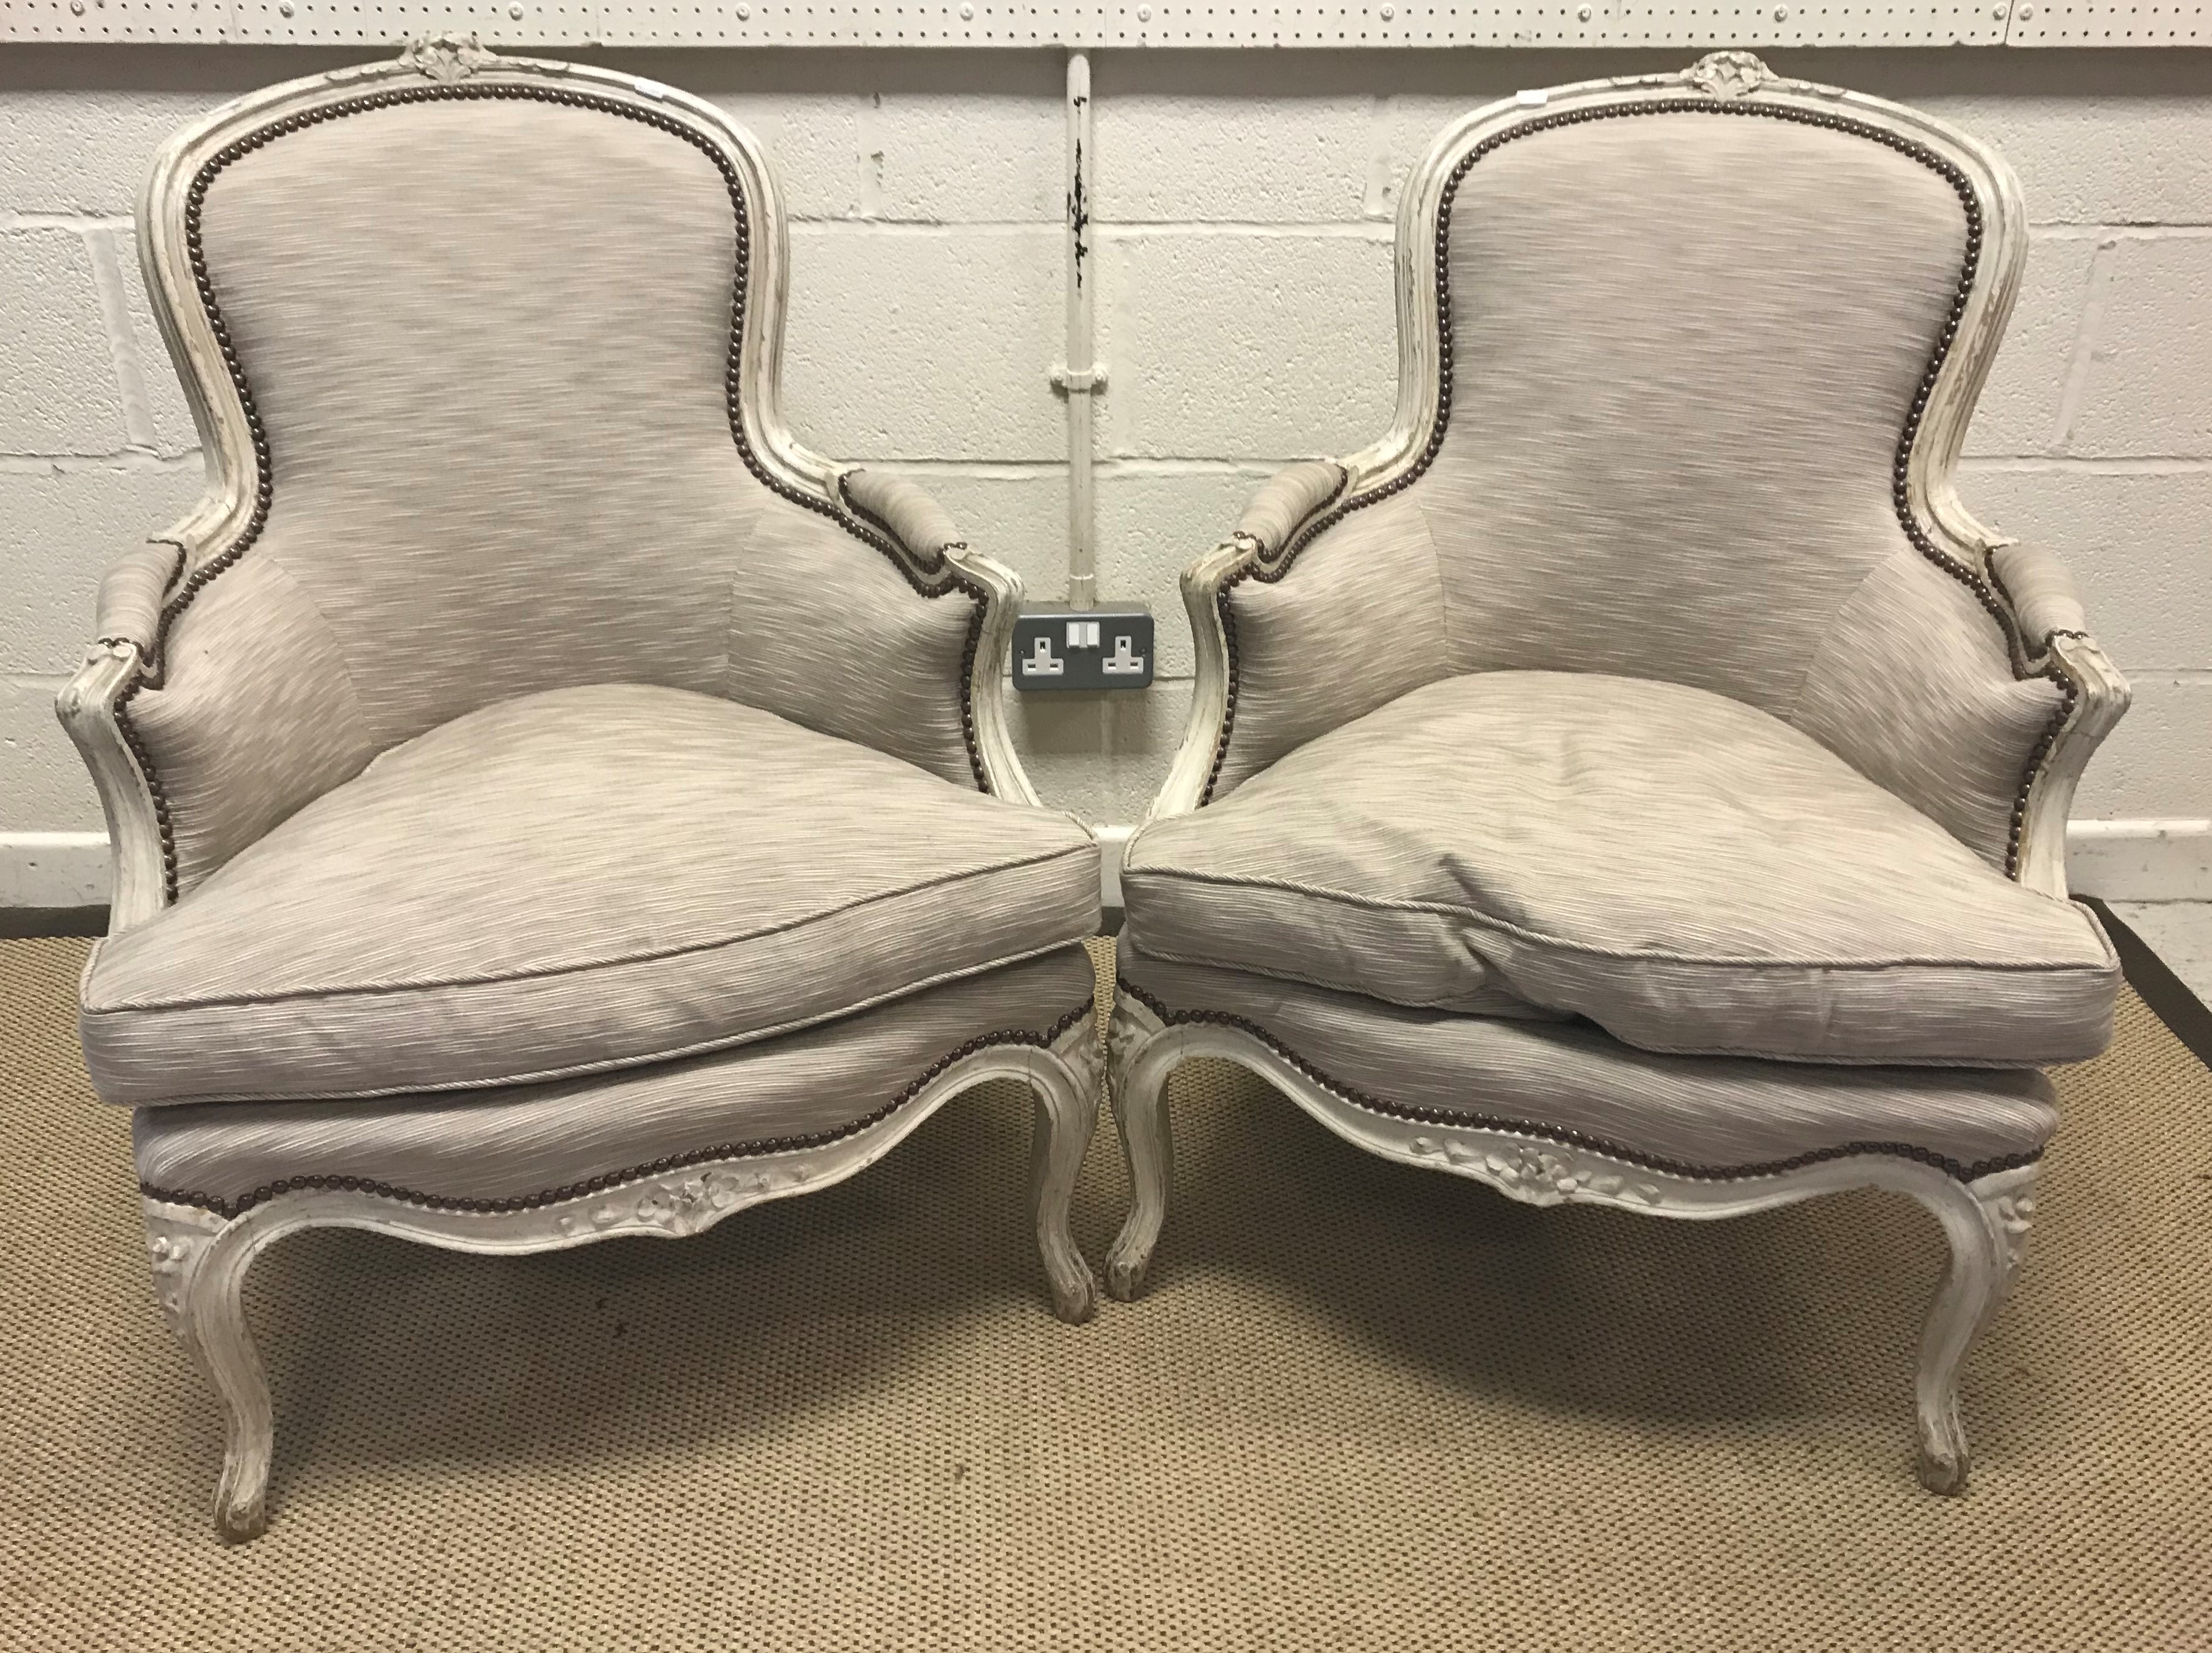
548, 802
1636, 779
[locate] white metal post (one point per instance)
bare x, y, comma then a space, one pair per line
1080, 376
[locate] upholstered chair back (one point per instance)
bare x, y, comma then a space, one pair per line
506, 350
1667, 410
1683, 349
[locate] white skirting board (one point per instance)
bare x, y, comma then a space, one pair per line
2140, 859
2119, 860
53, 869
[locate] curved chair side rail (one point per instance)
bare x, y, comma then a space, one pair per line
1985, 1219
200, 1257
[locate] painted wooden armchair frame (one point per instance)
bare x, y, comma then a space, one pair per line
1985, 1217
201, 1251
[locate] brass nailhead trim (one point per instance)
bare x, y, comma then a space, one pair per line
1900, 496
264, 491
269, 1191
1574, 1139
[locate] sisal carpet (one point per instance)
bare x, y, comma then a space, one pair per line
1362, 1407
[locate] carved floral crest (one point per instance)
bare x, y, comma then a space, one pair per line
448, 57
1729, 74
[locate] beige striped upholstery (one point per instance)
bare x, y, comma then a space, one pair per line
1697, 1114
130, 593
909, 515
2042, 592
522, 1141
565, 883
1690, 873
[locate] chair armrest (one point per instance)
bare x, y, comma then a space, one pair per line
904, 511
1003, 773
1277, 507
1282, 504
1334, 625
2054, 636
1983, 723
2044, 601
85, 706
933, 542
131, 593
926, 532
128, 621
1190, 775
2100, 699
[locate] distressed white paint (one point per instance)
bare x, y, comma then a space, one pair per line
1243, 208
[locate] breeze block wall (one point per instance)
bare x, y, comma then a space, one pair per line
1242, 212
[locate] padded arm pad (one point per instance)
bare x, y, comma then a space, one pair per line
131, 594
1287, 498
2045, 599
915, 520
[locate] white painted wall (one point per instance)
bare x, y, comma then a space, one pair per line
1243, 207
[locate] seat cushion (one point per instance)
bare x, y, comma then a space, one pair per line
1690, 873
1695, 1116
566, 881
531, 1142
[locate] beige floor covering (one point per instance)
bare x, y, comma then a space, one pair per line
1362, 1406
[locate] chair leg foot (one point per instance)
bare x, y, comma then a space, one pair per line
200, 1261
1066, 1114
1944, 1476
1125, 1275
241, 1512
1074, 1297
1139, 1082
1987, 1224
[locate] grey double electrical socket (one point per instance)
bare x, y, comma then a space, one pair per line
1057, 648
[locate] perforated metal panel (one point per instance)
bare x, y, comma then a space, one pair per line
1376, 23
2109, 22
1135, 22
114, 20
495, 22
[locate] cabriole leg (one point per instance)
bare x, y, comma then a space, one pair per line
1987, 1222
1066, 1114
1138, 1069
200, 1261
